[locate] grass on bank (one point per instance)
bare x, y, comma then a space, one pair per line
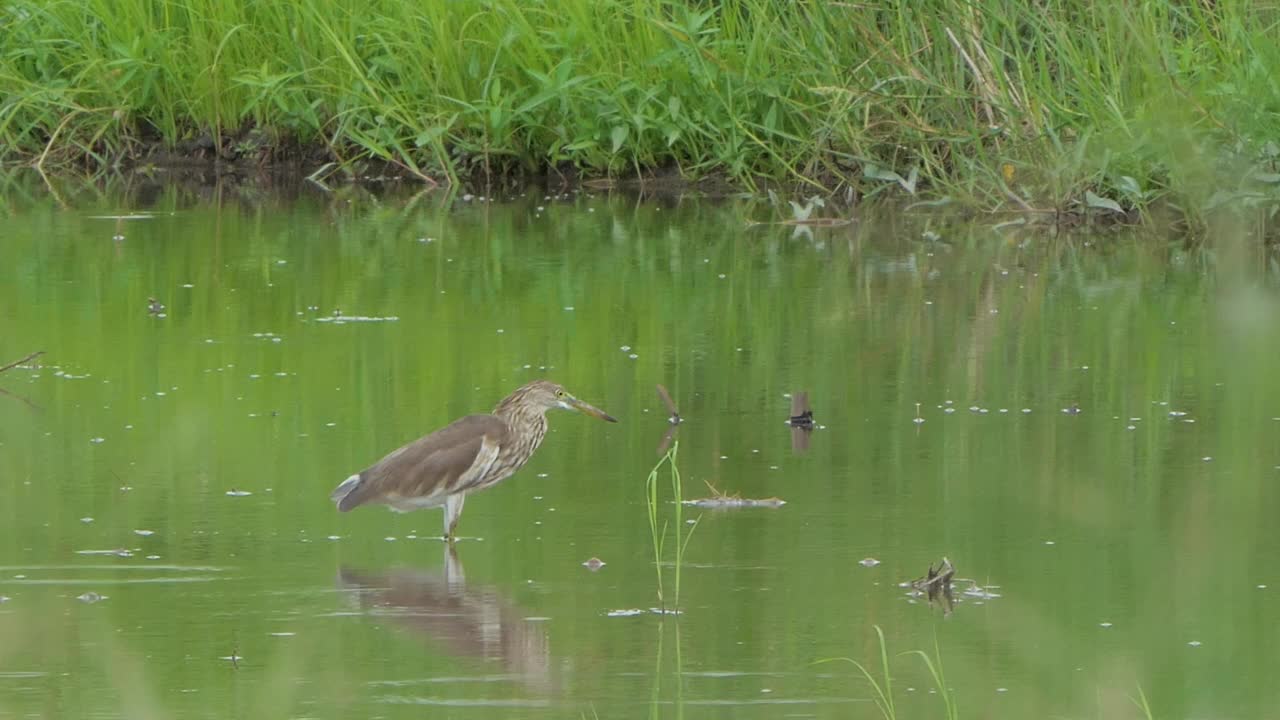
1040, 105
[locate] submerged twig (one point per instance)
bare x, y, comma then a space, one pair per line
16, 363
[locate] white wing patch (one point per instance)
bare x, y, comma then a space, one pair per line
479, 467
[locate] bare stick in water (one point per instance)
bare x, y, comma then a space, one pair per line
16, 363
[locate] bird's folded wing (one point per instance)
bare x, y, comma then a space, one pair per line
441, 463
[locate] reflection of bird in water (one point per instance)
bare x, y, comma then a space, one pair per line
466, 456
471, 622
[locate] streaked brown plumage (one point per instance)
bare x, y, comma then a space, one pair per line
466, 456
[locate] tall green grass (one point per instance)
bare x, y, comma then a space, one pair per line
882, 684
1044, 105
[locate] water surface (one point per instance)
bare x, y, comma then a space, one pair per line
1084, 426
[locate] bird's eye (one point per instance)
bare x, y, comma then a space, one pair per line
559, 393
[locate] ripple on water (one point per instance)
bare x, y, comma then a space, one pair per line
107, 575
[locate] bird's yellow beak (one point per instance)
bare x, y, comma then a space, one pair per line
587, 409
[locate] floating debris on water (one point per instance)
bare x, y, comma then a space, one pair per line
339, 319
86, 520
721, 501
629, 612
129, 216
97, 440
1072, 409
144, 533
90, 597
282, 634
632, 612
238, 493
977, 591
118, 552
868, 562
1195, 643
594, 564
726, 503
937, 584
801, 414
1104, 625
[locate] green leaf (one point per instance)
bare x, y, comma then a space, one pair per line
428, 136
910, 183
619, 136
875, 172
1267, 177
1129, 186
1097, 201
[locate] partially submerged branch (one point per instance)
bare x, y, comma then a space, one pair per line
16, 363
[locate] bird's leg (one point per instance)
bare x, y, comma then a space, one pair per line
452, 511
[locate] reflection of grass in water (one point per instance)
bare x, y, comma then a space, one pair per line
126, 682
1141, 702
659, 534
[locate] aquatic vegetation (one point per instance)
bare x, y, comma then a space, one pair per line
882, 685
1039, 108
658, 528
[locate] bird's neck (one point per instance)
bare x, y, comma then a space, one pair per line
518, 415
529, 425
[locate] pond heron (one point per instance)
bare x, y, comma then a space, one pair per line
466, 456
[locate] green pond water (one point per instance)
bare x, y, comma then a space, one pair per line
1085, 427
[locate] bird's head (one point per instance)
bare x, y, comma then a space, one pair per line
544, 395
